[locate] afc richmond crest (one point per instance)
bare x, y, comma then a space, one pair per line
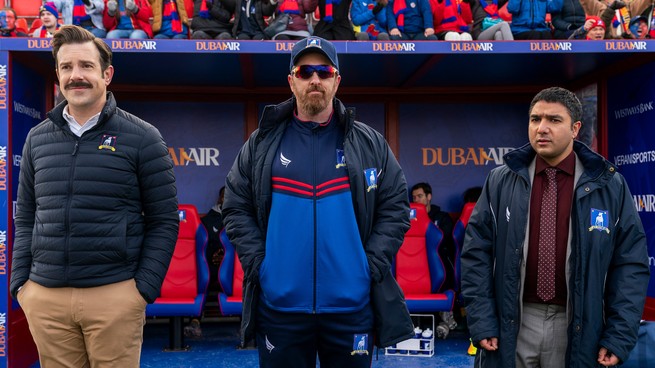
599, 220
412, 214
371, 176
108, 142
182, 215
360, 344
341, 159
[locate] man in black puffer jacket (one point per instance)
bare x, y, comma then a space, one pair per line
96, 220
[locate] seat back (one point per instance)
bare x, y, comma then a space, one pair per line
188, 273
419, 269
230, 273
459, 230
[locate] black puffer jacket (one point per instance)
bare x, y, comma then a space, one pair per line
96, 209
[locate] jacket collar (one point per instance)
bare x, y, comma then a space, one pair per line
56, 115
280, 113
594, 164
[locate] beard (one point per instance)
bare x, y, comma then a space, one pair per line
313, 105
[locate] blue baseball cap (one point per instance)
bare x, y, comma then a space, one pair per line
314, 44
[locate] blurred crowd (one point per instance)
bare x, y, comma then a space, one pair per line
450, 20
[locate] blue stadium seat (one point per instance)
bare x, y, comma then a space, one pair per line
230, 277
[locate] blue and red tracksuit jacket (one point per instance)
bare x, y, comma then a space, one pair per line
315, 261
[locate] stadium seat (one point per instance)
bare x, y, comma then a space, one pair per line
185, 286
458, 237
230, 277
418, 268
26, 8
21, 25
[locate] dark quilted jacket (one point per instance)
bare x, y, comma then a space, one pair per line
96, 209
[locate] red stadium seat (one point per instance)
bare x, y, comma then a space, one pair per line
26, 8
230, 277
419, 270
185, 286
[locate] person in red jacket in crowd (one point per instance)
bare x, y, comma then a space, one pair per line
451, 20
127, 19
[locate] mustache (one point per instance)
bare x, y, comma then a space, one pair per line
78, 84
315, 89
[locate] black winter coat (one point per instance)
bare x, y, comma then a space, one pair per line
96, 209
382, 214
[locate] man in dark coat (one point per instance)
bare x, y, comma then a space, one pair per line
316, 205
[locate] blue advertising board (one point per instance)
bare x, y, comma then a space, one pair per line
453, 146
5, 199
631, 146
203, 139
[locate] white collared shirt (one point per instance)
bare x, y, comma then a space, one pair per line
75, 127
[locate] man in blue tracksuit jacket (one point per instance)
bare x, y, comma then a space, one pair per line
316, 205
604, 269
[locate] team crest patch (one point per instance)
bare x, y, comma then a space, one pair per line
182, 215
412, 214
360, 344
371, 176
341, 159
599, 220
108, 142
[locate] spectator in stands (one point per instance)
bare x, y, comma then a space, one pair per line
169, 19
639, 27
487, 23
371, 18
83, 272
249, 16
593, 29
422, 194
49, 21
297, 10
84, 13
451, 20
410, 20
210, 21
316, 250
537, 291
529, 18
8, 24
632, 9
566, 21
128, 19
334, 21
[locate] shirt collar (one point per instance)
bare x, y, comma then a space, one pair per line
566, 166
75, 127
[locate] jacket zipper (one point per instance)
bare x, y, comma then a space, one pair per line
314, 168
68, 204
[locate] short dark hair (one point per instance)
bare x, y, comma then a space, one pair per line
563, 96
427, 189
70, 34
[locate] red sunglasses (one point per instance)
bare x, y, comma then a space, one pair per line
306, 71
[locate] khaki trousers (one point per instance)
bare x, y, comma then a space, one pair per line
94, 327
